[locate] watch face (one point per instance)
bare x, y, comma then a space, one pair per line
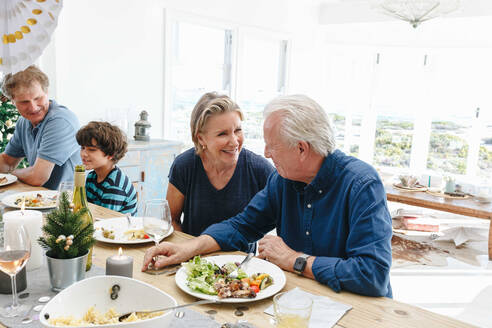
300, 264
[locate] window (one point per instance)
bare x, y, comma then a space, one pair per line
200, 58
412, 108
249, 65
262, 69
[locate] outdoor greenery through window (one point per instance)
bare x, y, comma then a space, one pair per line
406, 109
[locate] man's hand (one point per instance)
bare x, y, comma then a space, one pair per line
8, 163
274, 249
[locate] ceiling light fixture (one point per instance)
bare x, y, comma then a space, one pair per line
415, 11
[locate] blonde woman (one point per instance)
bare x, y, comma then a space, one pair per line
217, 178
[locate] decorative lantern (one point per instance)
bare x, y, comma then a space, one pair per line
142, 127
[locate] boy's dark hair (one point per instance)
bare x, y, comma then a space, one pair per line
109, 139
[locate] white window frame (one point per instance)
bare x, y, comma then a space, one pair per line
238, 32
422, 125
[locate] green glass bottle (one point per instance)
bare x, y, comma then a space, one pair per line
80, 201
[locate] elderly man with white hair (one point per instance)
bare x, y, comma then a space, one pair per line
329, 209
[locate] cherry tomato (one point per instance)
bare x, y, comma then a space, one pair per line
146, 236
255, 288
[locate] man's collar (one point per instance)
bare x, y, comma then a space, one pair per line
324, 177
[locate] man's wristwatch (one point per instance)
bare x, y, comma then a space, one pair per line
300, 263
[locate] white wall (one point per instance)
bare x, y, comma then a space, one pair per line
109, 54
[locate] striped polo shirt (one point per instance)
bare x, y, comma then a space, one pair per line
115, 192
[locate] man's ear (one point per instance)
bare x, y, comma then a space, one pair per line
303, 149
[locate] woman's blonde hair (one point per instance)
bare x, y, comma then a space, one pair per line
208, 105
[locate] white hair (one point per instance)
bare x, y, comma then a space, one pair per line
303, 119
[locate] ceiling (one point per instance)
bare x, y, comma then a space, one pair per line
351, 11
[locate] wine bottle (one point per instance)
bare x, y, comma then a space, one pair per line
80, 201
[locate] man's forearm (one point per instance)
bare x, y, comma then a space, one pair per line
203, 244
27, 175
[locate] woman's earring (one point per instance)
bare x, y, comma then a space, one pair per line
204, 147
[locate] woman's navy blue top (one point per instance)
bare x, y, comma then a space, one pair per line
204, 205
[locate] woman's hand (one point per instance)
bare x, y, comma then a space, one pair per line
171, 254
177, 253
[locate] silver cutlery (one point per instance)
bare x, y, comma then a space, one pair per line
169, 271
126, 315
235, 273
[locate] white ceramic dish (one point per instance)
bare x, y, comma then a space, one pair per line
95, 291
119, 225
10, 179
48, 194
256, 265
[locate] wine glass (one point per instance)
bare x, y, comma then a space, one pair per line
65, 186
157, 219
14, 253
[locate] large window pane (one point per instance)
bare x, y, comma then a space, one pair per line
396, 101
262, 72
393, 141
448, 147
197, 67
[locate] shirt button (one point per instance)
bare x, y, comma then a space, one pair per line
308, 205
307, 233
320, 191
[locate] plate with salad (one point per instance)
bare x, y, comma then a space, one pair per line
206, 278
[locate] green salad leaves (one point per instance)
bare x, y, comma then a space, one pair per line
202, 274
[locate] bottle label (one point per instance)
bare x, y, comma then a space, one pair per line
79, 179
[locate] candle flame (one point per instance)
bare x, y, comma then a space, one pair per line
23, 204
120, 252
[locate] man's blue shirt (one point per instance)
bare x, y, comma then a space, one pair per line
53, 139
341, 217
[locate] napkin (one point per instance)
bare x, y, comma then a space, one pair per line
325, 313
460, 235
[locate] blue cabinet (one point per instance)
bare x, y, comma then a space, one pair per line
147, 164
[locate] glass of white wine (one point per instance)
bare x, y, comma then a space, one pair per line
157, 219
14, 253
65, 186
292, 310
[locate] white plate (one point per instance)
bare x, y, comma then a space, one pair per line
10, 200
10, 179
119, 226
256, 265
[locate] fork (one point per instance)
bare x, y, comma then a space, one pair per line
235, 273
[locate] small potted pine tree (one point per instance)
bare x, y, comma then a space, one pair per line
67, 240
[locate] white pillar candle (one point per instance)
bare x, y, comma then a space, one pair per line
32, 222
119, 265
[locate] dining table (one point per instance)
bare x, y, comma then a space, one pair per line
365, 312
467, 206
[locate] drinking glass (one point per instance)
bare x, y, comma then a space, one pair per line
65, 186
292, 310
14, 253
157, 219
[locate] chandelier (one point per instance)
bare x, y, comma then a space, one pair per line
415, 11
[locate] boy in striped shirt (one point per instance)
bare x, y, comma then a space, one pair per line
102, 146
